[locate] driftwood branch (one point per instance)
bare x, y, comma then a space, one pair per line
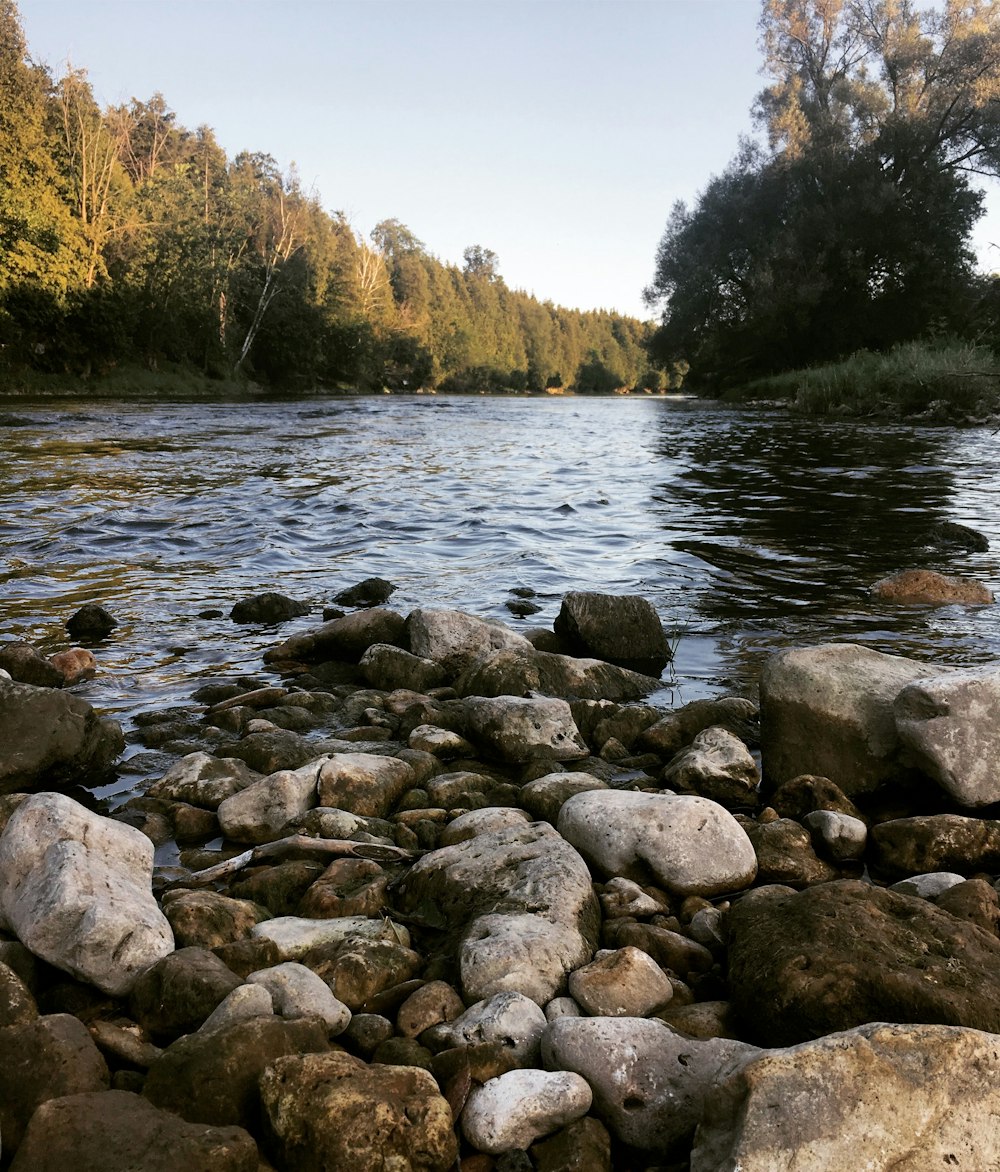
301, 846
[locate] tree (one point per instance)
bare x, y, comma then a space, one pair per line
481, 262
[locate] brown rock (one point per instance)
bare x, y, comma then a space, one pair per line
583, 1146
333, 1111
110, 1131
669, 949
17, 1005
363, 783
357, 970
801, 795
936, 842
785, 854
175, 995
278, 888
44, 1059
212, 1077
434, 1002
24, 664
932, 588
206, 919
247, 956
678, 729
804, 964
975, 901
348, 887
346, 638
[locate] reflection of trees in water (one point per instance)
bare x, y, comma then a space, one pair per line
791, 521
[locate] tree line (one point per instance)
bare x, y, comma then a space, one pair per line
846, 226
126, 238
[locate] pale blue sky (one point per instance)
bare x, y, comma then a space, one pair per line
556, 132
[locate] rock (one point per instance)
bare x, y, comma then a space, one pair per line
295, 936
245, 1002
91, 622
804, 794
620, 628
544, 797
484, 821
671, 950
717, 765
948, 535
346, 638
948, 723
52, 738
268, 608
175, 995
508, 1019
280, 888
929, 885
76, 890
843, 953
206, 919
930, 587
326, 822
626, 982
702, 1019
934, 842
428, 1006
367, 1031
364, 784
204, 780
348, 887
521, 903
114, 1130
881, 1097
518, 672
839, 836
678, 729
688, 845
583, 1146
371, 592
456, 640
387, 667
828, 710
17, 1005
27, 666
262, 811
74, 664
649, 1083
297, 991
512, 1111
213, 1077
622, 897
359, 970
44, 1059
518, 730
320, 1109
785, 854
442, 742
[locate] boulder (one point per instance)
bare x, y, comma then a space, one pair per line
175, 995
520, 902
335, 1111
785, 854
268, 608
513, 1110
517, 672
889, 1098
346, 638
430, 1005
623, 629
517, 730
387, 667
44, 1059
928, 587
508, 1019
76, 890
456, 640
716, 765
26, 665
803, 964
625, 982
949, 725
296, 936
949, 535
688, 845
208, 919
52, 738
935, 842
649, 1083
260, 812
204, 780
297, 991
114, 1130
483, 821
544, 797
677, 729
363, 783
213, 1077
828, 710
360, 970
837, 836
368, 593
91, 622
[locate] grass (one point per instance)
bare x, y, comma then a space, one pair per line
937, 382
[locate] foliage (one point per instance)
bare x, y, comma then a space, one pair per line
851, 230
129, 240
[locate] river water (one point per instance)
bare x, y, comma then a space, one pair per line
748, 530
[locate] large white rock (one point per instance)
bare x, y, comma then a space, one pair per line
524, 953
76, 889
649, 1083
455, 639
204, 780
828, 711
905, 1098
517, 729
262, 811
690, 845
951, 726
296, 991
295, 935
510, 1112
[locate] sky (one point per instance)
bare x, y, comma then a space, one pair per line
558, 133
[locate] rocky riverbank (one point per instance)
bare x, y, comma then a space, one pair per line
452, 896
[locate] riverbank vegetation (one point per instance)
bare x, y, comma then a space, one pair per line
845, 230
135, 253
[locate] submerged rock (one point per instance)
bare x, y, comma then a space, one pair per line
91, 622
931, 588
269, 608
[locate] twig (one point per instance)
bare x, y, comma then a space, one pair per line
302, 846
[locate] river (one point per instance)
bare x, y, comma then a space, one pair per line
748, 530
